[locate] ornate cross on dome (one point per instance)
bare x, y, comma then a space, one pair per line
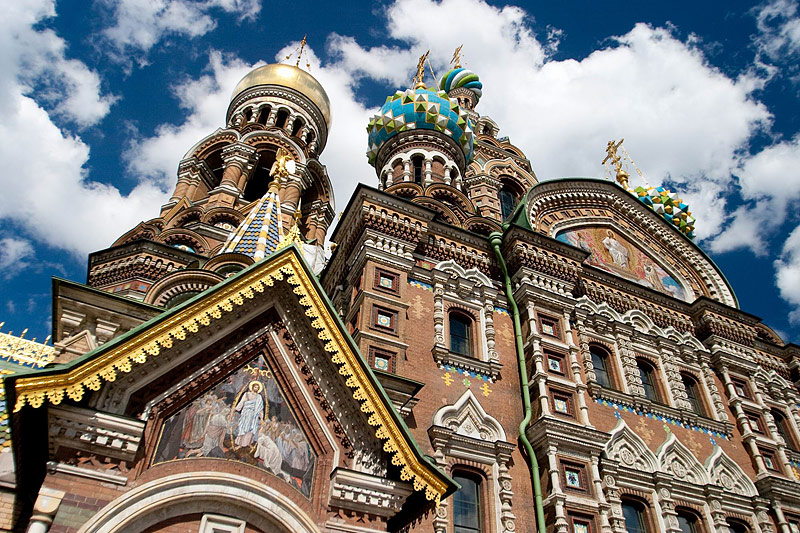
456, 61
419, 78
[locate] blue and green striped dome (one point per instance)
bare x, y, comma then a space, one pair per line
461, 77
419, 108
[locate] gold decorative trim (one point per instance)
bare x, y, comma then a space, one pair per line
34, 390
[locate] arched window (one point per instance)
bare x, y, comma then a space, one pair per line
689, 521
693, 394
297, 126
635, 514
509, 195
180, 298
467, 504
648, 376
601, 362
737, 526
281, 119
416, 163
460, 334
263, 115
309, 137
784, 428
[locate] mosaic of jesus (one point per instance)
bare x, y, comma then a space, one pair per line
243, 418
615, 254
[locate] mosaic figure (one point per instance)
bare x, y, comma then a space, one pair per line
243, 418
615, 254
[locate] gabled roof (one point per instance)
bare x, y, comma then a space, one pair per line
173, 326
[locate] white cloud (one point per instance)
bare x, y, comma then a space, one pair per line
788, 274
683, 120
779, 27
14, 255
140, 24
46, 191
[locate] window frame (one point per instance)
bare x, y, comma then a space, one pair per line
768, 456
587, 520
742, 384
696, 524
697, 398
478, 480
606, 356
384, 354
562, 358
469, 322
562, 395
394, 289
652, 378
755, 421
784, 426
556, 326
376, 310
642, 511
578, 468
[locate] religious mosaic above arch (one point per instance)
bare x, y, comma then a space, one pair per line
615, 254
244, 418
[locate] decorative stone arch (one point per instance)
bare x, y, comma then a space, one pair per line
465, 435
449, 215
201, 492
185, 236
724, 472
628, 448
457, 271
144, 230
481, 225
676, 459
182, 281
187, 216
547, 200
228, 215
405, 189
216, 140
440, 190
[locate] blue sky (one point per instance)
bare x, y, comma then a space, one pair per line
100, 100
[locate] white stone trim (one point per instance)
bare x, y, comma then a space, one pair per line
193, 492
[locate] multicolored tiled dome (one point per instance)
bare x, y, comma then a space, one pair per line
461, 77
667, 204
419, 108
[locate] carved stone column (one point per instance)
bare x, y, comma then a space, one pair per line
428, 174
238, 160
667, 504
488, 314
557, 494
438, 314
713, 391
629, 367
507, 518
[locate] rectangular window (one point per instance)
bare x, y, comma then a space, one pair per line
385, 319
741, 388
386, 280
574, 476
769, 460
562, 403
755, 422
556, 363
580, 523
549, 326
382, 359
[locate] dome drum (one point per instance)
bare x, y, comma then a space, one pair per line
281, 100
407, 141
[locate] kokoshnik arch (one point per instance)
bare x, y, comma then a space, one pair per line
481, 352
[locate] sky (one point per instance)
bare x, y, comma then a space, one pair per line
100, 100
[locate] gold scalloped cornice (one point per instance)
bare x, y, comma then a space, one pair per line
90, 374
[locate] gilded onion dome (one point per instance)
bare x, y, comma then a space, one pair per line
419, 108
291, 77
460, 77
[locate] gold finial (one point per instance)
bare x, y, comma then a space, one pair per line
299, 50
456, 61
613, 157
294, 234
300, 54
419, 78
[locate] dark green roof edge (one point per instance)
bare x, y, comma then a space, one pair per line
57, 369
672, 228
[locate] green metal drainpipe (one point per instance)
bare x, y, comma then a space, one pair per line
496, 239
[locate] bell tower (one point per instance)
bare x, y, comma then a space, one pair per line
278, 113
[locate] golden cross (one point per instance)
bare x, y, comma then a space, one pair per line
456, 61
612, 156
300, 54
420, 76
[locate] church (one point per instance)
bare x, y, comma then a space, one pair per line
476, 352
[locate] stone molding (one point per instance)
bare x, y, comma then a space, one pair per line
95, 432
365, 493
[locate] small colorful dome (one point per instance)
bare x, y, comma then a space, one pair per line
461, 77
419, 108
667, 204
